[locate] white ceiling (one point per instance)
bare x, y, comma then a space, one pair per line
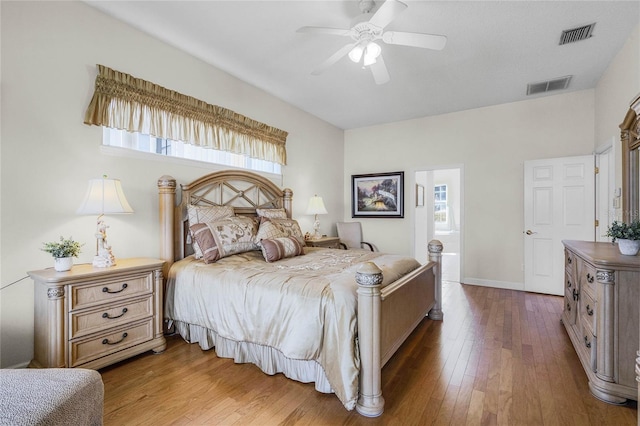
494, 50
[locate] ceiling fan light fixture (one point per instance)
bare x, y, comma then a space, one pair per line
371, 52
356, 53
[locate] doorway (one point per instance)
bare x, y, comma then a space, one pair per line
438, 215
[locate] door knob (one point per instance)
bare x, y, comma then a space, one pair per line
530, 232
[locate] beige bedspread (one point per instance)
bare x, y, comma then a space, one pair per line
305, 307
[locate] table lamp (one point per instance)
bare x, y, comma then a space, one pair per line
104, 196
316, 207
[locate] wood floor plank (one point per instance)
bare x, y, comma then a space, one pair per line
500, 357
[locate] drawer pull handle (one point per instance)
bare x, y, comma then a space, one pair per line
106, 289
586, 342
576, 294
589, 278
568, 284
568, 307
569, 260
124, 336
124, 311
589, 311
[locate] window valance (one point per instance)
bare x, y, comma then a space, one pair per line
124, 102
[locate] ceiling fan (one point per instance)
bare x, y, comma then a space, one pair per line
366, 30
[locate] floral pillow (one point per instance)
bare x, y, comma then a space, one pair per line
277, 228
205, 214
280, 248
272, 213
225, 237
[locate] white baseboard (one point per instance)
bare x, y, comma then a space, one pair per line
496, 284
21, 365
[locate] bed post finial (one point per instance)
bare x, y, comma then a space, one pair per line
370, 401
435, 255
167, 200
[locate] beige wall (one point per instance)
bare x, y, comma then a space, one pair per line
492, 144
49, 51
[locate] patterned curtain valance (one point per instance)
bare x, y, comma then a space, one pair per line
124, 102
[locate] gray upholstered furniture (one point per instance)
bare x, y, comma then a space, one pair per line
350, 234
51, 396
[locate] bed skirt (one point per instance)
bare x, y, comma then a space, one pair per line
270, 360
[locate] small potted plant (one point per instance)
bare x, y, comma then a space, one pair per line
63, 252
627, 235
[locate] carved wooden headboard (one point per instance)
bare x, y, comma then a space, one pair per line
244, 191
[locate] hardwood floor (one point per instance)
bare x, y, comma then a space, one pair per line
499, 357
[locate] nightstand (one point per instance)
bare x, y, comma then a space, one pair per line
91, 317
327, 242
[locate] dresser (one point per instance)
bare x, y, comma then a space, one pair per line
92, 317
601, 298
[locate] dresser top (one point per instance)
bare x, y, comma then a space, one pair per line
603, 254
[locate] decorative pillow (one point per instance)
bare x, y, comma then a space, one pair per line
277, 228
205, 214
225, 237
280, 248
272, 213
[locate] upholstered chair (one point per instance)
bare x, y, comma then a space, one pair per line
350, 234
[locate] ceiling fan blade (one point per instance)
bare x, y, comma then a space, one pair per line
324, 30
379, 71
387, 13
333, 59
427, 41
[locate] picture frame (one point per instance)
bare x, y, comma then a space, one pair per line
419, 195
377, 195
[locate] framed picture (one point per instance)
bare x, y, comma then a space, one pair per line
377, 195
419, 195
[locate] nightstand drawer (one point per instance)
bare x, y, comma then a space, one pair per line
101, 292
87, 322
82, 351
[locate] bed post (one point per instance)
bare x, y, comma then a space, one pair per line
287, 201
167, 198
435, 255
370, 401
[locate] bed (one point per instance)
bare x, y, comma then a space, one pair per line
327, 316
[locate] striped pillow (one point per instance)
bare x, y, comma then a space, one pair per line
280, 248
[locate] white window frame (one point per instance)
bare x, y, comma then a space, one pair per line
118, 142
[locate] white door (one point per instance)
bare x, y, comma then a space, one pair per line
559, 204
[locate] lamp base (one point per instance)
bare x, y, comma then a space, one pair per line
104, 257
104, 261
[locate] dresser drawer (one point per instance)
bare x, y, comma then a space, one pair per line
85, 350
588, 347
105, 317
570, 307
569, 261
588, 312
106, 291
588, 279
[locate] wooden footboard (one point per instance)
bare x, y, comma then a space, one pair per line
386, 317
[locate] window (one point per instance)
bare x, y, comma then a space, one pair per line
440, 196
171, 148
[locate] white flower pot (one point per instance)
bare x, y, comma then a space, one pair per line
629, 247
62, 264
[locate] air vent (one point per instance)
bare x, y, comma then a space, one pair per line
577, 34
548, 86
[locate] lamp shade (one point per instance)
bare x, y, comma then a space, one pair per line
104, 196
316, 206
